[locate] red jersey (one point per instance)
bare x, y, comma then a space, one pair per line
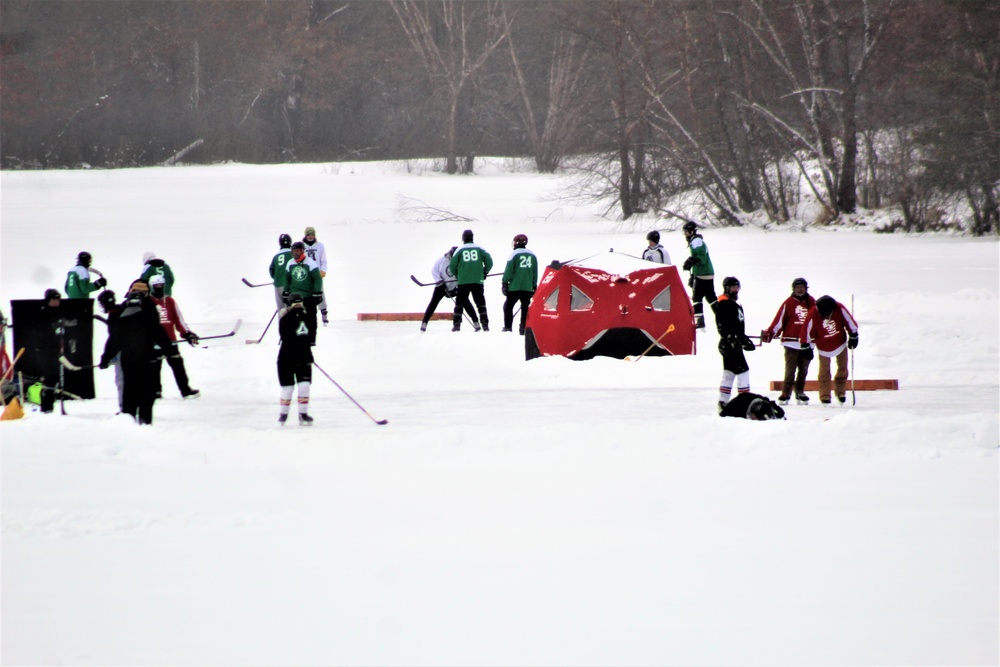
828, 334
170, 316
790, 320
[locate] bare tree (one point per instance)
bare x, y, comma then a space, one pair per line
453, 39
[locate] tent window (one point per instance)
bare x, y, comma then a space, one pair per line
662, 300
552, 301
579, 300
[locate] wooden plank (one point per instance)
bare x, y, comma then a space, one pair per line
400, 317
859, 385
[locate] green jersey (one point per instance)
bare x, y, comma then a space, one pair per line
78, 285
157, 267
521, 273
470, 264
702, 262
279, 263
303, 278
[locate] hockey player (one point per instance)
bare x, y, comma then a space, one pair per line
278, 265
832, 328
173, 323
655, 252
294, 358
787, 325
754, 407
47, 346
113, 311
733, 341
702, 280
470, 265
520, 279
78, 284
302, 276
137, 338
153, 265
317, 253
446, 286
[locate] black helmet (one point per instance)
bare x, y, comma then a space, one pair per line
84, 258
729, 281
520, 241
467, 236
300, 245
106, 298
825, 305
294, 297
800, 281
653, 236
689, 227
51, 293
761, 409
284, 241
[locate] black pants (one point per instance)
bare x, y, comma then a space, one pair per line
176, 363
508, 308
290, 374
441, 292
462, 303
51, 380
139, 391
701, 288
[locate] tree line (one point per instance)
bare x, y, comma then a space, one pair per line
866, 103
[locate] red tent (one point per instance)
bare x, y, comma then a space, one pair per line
613, 305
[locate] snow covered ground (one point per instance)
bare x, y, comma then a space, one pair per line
511, 512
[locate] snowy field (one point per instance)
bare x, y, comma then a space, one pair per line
511, 513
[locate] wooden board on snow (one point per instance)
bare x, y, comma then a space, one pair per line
859, 385
400, 317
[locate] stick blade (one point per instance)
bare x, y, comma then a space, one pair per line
381, 422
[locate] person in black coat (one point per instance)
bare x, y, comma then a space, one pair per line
752, 406
48, 347
295, 358
139, 339
733, 341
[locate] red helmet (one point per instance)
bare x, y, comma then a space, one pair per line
520, 241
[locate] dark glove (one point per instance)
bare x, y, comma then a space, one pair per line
191, 338
748, 345
852, 341
486, 273
807, 351
505, 288
317, 298
766, 336
104, 363
688, 263
284, 297
100, 282
732, 342
691, 281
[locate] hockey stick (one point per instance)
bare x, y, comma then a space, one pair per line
10, 370
236, 328
380, 422
251, 341
414, 279
250, 284
669, 329
70, 366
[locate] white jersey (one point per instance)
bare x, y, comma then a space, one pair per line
442, 273
317, 253
657, 254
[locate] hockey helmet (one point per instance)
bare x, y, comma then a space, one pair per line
51, 293
299, 245
730, 281
467, 236
294, 298
653, 236
690, 228
800, 281
157, 279
84, 258
106, 298
285, 241
825, 305
520, 241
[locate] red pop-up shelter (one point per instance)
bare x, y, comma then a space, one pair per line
610, 305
